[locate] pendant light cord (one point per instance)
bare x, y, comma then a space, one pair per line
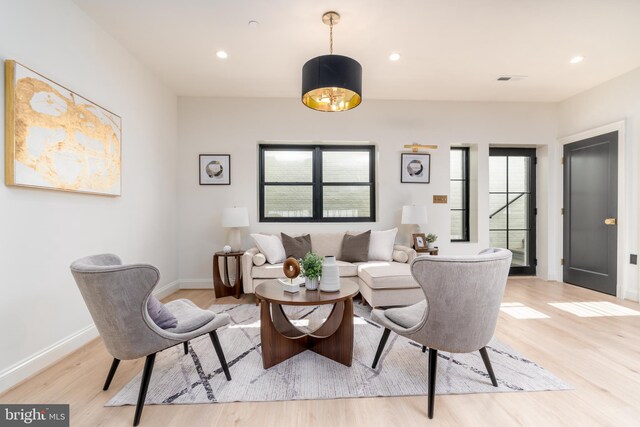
331, 35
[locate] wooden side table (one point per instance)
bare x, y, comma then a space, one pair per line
433, 251
223, 288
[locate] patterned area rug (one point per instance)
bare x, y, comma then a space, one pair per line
198, 378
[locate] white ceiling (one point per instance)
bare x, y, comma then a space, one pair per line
451, 49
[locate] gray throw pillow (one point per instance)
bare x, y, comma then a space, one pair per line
356, 248
296, 247
160, 314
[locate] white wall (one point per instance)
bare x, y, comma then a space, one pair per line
41, 232
616, 100
235, 126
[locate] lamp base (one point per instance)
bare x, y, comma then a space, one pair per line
235, 239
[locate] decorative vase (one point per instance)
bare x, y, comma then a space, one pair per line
431, 245
330, 281
311, 283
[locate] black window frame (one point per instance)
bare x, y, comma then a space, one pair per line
317, 184
465, 198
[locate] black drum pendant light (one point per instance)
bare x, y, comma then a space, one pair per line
331, 82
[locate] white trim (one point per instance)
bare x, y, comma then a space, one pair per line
166, 290
44, 358
196, 284
623, 289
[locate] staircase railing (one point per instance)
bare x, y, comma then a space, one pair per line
506, 206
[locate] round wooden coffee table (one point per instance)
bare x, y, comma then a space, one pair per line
281, 340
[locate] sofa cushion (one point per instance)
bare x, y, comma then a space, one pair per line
296, 247
327, 244
259, 259
268, 271
160, 314
400, 256
355, 248
381, 245
271, 247
386, 275
407, 317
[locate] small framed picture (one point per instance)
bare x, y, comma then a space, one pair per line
215, 169
415, 168
419, 241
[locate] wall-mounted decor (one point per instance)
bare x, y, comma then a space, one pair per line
55, 139
215, 169
415, 168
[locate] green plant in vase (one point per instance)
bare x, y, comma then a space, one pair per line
431, 240
311, 269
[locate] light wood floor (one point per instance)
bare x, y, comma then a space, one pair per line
598, 356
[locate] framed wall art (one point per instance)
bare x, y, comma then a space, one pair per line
56, 139
415, 168
215, 169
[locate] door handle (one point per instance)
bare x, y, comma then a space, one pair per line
610, 221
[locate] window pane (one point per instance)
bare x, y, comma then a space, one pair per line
457, 225
518, 174
456, 196
286, 201
498, 212
497, 174
457, 164
288, 166
345, 166
498, 239
518, 245
518, 211
346, 201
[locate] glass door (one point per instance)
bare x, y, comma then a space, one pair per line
512, 205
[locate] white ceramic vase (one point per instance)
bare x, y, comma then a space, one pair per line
311, 284
330, 281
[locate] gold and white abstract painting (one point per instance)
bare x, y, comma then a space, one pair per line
56, 139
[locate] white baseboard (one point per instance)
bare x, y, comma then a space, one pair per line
166, 290
196, 284
31, 365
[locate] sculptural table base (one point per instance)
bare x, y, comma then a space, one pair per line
281, 340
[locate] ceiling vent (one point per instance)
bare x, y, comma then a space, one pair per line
511, 78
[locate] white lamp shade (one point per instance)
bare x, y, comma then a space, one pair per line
414, 214
235, 217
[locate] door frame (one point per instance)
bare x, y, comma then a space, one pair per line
532, 215
623, 228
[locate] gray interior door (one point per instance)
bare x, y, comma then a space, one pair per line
590, 213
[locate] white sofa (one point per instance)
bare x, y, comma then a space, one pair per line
381, 283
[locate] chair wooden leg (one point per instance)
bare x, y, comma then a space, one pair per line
186, 347
112, 372
383, 342
487, 364
223, 362
144, 385
424, 348
433, 362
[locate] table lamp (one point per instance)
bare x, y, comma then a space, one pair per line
233, 219
414, 215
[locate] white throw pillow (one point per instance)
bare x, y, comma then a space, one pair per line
259, 259
400, 256
271, 247
381, 245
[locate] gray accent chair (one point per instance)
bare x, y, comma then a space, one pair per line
459, 314
116, 296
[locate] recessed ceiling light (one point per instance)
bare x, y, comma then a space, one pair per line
253, 24
577, 59
394, 56
221, 54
